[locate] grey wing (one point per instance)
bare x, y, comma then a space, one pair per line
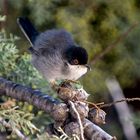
48, 65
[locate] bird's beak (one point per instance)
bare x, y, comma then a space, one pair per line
88, 67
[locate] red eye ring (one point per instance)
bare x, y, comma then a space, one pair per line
75, 61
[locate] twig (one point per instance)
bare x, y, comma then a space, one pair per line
78, 118
15, 130
119, 101
64, 135
114, 44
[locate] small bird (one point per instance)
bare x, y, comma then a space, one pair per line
54, 53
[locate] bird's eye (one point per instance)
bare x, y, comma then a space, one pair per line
75, 61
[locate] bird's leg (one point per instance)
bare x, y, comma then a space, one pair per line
54, 85
71, 81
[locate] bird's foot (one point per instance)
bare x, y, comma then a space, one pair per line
71, 81
54, 85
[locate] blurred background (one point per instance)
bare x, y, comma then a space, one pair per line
95, 25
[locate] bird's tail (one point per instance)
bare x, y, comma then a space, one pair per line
28, 29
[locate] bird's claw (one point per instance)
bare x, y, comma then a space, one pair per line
71, 81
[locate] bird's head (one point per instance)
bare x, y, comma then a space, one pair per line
77, 59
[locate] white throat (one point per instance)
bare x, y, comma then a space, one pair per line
76, 71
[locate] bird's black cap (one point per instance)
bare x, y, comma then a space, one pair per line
76, 55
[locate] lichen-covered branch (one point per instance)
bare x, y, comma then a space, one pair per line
35, 97
94, 132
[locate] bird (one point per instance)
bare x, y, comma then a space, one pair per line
54, 53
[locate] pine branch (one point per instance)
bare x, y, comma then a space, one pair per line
57, 110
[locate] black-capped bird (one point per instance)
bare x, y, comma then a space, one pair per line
54, 53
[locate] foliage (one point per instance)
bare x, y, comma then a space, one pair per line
18, 119
19, 68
